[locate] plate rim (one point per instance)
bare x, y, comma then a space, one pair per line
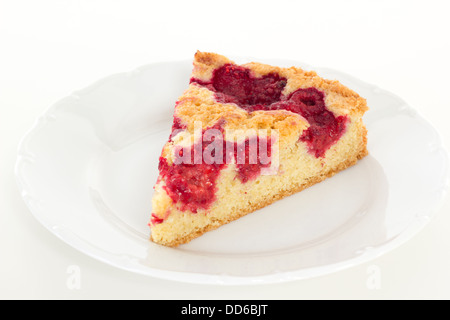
226, 279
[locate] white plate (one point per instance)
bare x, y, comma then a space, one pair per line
87, 167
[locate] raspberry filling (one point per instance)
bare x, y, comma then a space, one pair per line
155, 219
193, 186
191, 180
236, 84
325, 128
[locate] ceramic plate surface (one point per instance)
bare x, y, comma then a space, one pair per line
86, 171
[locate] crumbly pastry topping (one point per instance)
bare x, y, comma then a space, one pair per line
236, 84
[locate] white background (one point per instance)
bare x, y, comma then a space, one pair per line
49, 48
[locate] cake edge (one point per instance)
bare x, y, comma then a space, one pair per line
313, 180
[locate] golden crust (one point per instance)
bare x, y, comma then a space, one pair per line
205, 63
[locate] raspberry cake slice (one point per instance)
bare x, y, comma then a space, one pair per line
244, 136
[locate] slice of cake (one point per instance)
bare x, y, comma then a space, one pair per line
244, 136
